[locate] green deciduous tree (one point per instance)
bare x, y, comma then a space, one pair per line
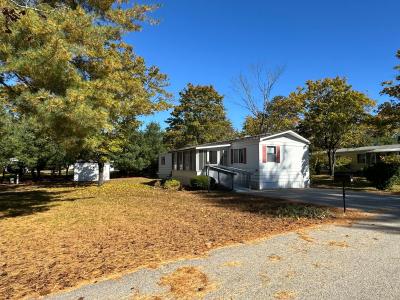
388, 117
65, 64
334, 115
281, 114
199, 118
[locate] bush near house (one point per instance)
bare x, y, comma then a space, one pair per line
172, 184
384, 174
200, 182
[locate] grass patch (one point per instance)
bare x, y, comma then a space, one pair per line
56, 236
304, 211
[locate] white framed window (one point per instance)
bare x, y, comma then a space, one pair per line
213, 157
238, 156
271, 154
163, 160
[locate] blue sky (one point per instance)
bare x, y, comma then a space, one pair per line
212, 42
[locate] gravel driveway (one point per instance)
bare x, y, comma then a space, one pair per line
328, 262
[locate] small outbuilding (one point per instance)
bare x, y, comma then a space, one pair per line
265, 161
89, 171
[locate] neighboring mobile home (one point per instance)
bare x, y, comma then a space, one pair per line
258, 162
363, 157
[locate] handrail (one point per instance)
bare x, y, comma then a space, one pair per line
235, 169
221, 169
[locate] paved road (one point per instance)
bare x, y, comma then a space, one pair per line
360, 200
328, 262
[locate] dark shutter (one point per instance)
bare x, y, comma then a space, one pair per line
244, 156
278, 154
231, 156
264, 153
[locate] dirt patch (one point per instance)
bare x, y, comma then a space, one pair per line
187, 283
284, 295
55, 237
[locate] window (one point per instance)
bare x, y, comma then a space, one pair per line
180, 160
202, 159
212, 157
224, 158
238, 156
271, 154
173, 161
163, 160
361, 158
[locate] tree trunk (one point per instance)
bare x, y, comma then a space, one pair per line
4, 175
101, 174
38, 173
331, 160
66, 171
21, 172
59, 171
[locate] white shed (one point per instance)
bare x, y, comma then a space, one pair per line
260, 162
89, 171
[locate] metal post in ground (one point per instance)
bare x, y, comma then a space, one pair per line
344, 197
208, 178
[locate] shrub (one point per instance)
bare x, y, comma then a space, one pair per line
384, 174
303, 211
200, 182
172, 184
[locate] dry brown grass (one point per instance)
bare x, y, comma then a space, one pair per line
305, 237
57, 237
275, 258
340, 244
232, 264
187, 283
284, 295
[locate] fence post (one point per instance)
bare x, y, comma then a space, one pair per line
208, 178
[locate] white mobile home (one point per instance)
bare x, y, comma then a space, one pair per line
258, 162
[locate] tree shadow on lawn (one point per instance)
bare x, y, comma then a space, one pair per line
16, 201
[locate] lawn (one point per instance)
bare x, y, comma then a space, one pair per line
59, 236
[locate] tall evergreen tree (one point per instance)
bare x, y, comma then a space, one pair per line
199, 118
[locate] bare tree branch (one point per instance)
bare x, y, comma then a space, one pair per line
256, 94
